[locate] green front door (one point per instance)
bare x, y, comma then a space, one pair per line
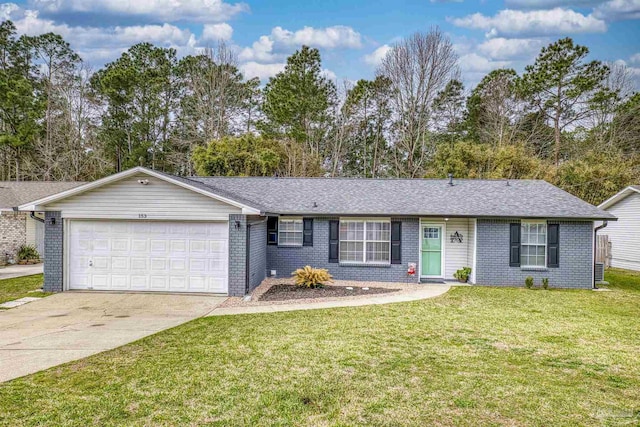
431, 251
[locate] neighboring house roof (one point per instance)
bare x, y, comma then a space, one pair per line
357, 196
632, 189
16, 193
399, 197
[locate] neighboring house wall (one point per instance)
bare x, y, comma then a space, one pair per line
127, 199
12, 233
576, 256
624, 234
287, 259
53, 253
257, 253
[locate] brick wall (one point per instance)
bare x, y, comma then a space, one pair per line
257, 253
237, 254
53, 252
576, 257
13, 232
287, 259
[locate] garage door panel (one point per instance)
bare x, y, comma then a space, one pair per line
147, 255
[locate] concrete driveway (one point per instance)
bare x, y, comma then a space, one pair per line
12, 271
72, 325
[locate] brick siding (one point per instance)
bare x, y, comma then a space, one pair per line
576, 262
287, 259
53, 253
13, 233
237, 254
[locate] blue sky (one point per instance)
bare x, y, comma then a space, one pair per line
352, 35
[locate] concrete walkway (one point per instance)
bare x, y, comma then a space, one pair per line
73, 325
423, 292
12, 271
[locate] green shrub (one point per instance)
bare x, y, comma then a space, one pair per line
462, 274
309, 277
545, 283
528, 282
27, 252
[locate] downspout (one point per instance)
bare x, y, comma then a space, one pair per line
33, 216
595, 251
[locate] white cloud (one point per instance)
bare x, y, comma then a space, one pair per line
618, 10
518, 23
329, 37
215, 32
330, 75
473, 62
635, 58
260, 50
376, 57
7, 10
157, 10
99, 45
262, 71
275, 47
501, 48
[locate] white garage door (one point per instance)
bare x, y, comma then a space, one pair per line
148, 256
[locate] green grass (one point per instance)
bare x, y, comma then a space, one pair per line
19, 287
475, 356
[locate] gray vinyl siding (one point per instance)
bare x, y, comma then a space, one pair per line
576, 256
128, 199
287, 259
257, 253
624, 234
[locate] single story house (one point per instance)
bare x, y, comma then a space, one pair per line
144, 230
22, 228
624, 234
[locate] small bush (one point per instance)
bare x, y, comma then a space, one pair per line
545, 283
309, 277
528, 282
463, 274
27, 252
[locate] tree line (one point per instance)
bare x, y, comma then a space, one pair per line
571, 121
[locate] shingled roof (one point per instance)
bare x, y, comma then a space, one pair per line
16, 193
405, 197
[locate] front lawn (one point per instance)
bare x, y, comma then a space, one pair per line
19, 287
473, 356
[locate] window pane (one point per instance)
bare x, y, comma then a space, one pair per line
351, 251
351, 230
378, 252
378, 231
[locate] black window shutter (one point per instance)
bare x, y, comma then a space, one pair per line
272, 230
334, 240
307, 232
514, 245
553, 245
396, 242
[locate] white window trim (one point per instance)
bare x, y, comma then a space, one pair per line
291, 218
364, 241
546, 237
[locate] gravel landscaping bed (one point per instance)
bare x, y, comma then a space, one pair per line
256, 297
282, 292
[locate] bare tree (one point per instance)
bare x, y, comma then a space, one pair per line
419, 67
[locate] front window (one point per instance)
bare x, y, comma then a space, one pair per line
534, 244
290, 232
365, 241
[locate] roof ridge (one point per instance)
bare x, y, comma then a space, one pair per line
346, 178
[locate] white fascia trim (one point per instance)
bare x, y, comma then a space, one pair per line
617, 197
38, 204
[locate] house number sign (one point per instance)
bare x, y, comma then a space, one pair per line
456, 237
